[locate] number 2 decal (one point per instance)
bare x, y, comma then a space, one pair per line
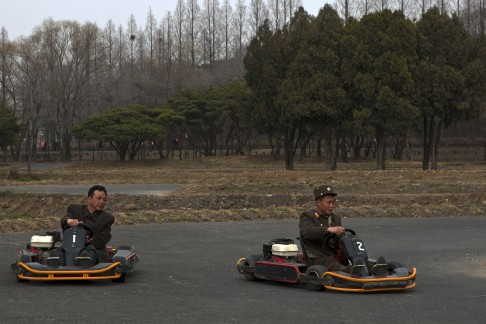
360, 246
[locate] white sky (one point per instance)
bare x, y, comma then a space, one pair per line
19, 17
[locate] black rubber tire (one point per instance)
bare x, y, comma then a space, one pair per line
121, 279
250, 261
125, 247
21, 279
25, 258
392, 265
315, 271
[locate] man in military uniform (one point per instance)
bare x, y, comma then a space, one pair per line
318, 225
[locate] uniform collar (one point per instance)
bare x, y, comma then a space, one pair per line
319, 215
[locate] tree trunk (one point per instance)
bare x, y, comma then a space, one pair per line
380, 149
289, 149
65, 145
318, 148
15, 152
358, 143
344, 150
435, 148
427, 132
28, 148
329, 149
339, 143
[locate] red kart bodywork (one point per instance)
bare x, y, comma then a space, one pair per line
296, 269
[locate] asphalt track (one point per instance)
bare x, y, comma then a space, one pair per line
187, 274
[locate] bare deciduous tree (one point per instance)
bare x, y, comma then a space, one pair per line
258, 14
239, 24
151, 34
179, 18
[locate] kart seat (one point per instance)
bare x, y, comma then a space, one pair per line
304, 252
72, 245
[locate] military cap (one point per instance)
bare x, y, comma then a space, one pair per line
324, 190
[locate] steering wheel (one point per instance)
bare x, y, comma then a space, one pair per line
89, 229
332, 240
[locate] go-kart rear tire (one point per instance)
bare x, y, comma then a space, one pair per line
315, 271
250, 261
24, 258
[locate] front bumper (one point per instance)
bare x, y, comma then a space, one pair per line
345, 282
37, 271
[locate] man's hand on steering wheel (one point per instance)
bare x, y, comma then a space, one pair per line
73, 222
338, 230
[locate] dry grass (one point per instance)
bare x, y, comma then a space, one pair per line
243, 188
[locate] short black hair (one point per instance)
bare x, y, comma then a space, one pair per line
96, 188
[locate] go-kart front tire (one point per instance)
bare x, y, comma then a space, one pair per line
21, 279
250, 261
392, 265
315, 271
121, 278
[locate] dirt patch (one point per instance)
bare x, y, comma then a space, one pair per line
248, 188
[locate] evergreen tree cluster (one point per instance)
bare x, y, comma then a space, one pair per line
358, 83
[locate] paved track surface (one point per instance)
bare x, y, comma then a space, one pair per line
187, 274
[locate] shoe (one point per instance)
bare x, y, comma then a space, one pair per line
380, 269
83, 260
357, 267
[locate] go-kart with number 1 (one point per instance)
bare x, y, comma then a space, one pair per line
44, 259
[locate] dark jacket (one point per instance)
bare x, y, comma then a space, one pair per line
313, 228
100, 222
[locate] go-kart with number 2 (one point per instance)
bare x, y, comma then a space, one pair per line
282, 261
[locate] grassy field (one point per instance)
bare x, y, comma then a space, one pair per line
248, 188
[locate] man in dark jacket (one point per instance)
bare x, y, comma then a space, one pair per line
318, 225
94, 216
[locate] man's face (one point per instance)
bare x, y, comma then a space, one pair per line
326, 204
97, 202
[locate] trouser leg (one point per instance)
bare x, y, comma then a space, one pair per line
102, 256
330, 262
92, 253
